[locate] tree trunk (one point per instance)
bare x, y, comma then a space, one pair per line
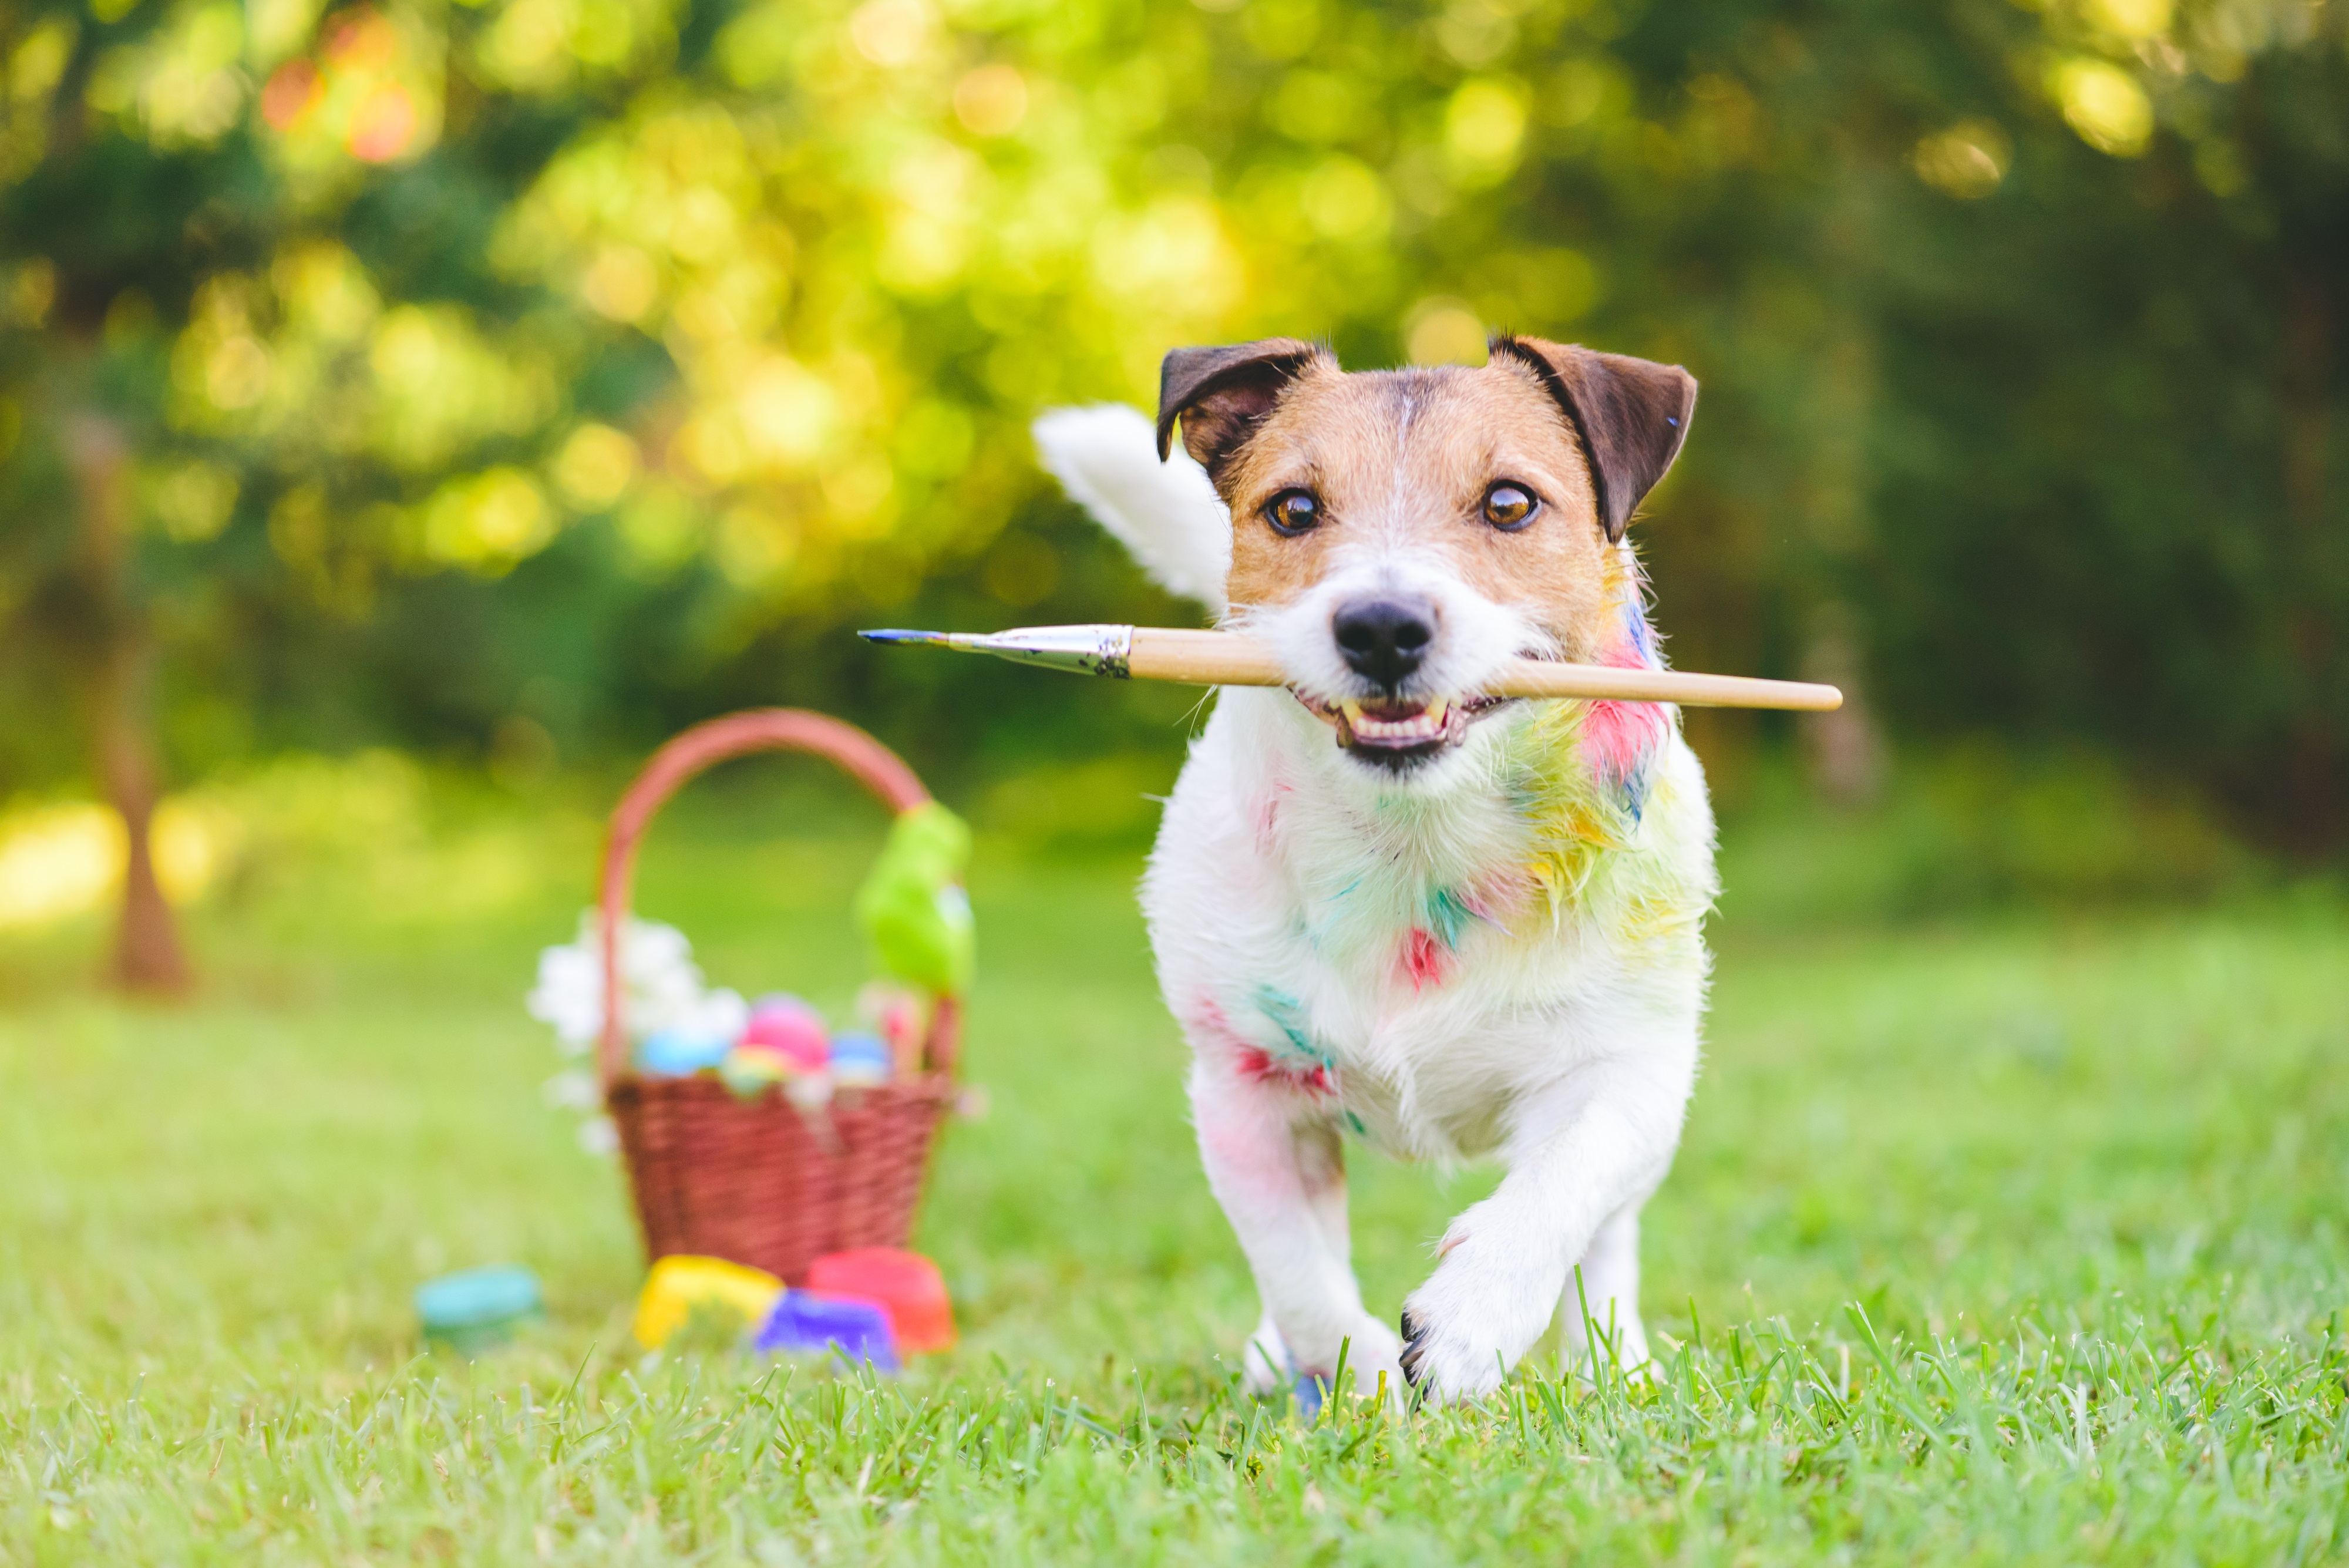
1845, 749
2312, 793
147, 956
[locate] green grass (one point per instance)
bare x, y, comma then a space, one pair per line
2013, 1242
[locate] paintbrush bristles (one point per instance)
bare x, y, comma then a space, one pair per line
1235, 658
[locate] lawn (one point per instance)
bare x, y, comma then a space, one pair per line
2015, 1239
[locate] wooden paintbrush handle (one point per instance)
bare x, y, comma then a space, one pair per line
1542, 677
1202, 657
1229, 658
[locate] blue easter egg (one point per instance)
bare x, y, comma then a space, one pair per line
679, 1052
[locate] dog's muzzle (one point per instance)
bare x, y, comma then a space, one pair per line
1386, 640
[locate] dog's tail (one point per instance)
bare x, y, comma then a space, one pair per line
1167, 514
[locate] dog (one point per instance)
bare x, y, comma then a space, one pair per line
1383, 904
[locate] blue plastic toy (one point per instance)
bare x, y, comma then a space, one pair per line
806, 1321
471, 1311
680, 1053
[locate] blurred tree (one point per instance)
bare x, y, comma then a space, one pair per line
213, 408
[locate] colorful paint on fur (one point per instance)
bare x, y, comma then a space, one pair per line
1286, 1013
1585, 769
1310, 1073
1619, 740
1267, 816
1423, 962
1499, 897
1259, 1066
1448, 915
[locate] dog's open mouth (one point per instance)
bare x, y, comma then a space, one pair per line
1394, 732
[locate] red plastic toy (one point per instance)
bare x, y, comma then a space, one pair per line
908, 1286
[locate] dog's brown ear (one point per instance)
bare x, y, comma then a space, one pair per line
1632, 414
1220, 394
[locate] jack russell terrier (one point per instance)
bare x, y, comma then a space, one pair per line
1383, 904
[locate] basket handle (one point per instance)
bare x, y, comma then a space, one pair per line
698, 749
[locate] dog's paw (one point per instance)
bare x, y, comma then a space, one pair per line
1464, 1329
1267, 1367
1373, 1353
1370, 1351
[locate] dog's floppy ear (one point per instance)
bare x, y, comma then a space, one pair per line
1632, 414
1219, 394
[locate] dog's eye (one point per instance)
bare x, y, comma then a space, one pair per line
1292, 512
1510, 507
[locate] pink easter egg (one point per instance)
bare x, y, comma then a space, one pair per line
791, 1029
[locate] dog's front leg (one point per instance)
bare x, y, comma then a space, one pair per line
1600, 1313
1274, 1162
1591, 1147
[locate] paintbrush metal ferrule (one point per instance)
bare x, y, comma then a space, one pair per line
1101, 650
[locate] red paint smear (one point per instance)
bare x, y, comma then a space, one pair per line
1208, 1019
1253, 1062
1259, 1066
1267, 816
1617, 736
1425, 961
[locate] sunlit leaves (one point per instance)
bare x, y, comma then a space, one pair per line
595, 466
193, 499
181, 83
487, 520
1441, 330
370, 92
35, 63
1344, 199
1968, 161
1484, 127
308, 359
544, 46
442, 385
2105, 104
2130, 19
991, 100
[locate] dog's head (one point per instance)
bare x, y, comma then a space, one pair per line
1398, 534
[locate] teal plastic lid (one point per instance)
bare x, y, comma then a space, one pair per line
456, 1305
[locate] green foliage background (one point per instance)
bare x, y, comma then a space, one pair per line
536, 375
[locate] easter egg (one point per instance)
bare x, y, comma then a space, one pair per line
679, 1052
791, 1029
860, 1061
749, 1070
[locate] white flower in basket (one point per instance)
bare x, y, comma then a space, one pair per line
664, 985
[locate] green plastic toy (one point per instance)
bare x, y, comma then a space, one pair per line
912, 906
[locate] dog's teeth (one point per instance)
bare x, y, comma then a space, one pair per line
1436, 710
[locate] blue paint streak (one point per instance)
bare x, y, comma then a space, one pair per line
1448, 917
1286, 1015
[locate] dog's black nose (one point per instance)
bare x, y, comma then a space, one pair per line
1385, 639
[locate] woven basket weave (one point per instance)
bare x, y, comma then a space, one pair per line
757, 1181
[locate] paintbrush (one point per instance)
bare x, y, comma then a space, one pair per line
1235, 658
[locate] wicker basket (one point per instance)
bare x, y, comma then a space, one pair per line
757, 1181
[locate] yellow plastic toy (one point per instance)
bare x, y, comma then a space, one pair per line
681, 1285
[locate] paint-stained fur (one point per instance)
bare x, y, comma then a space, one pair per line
1383, 908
